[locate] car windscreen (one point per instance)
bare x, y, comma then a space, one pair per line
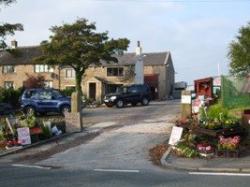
29, 93
123, 89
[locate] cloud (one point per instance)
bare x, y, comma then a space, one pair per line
196, 35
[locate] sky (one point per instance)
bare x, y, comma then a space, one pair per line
196, 32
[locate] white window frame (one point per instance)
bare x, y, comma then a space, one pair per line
8, 84
48, 84
43, 68
8, 68
70, 73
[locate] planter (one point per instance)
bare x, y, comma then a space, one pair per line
35, 131
228, 153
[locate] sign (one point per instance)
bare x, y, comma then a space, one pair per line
72, 120
175, 135
186, 99
24, 136
217, 81
196, 104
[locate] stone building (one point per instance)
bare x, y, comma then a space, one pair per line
98, 80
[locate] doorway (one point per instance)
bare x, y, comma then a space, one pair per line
92, 91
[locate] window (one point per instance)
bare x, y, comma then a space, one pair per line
48, 84
47, 95
115, 72
43, 68
70, 73
8, 69
8, 84
133, 89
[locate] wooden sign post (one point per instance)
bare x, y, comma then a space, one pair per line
186, 104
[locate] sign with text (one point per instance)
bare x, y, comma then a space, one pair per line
186, 99
175, 135
24, 136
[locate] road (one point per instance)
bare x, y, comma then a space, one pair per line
118, 156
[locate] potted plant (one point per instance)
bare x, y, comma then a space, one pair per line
230, 122
205, 149
228, 144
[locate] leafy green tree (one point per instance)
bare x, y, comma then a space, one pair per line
239, 53
7, 28
78, 45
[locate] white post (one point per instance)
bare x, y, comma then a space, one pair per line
139, 66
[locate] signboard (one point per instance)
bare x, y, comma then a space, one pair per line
217, 81
186, 99
196, 104
175, 135
72, 121
24, 136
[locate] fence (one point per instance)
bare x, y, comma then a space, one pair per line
235, 92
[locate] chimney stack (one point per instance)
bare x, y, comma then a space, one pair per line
139, 65
138, 50
13, 44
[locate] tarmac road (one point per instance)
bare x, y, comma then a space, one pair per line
115, 157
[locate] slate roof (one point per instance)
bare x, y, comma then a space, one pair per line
28, 53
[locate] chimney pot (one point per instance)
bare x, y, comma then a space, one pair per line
138, 49
13, 44
138, 44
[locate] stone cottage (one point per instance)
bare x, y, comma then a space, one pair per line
158, 71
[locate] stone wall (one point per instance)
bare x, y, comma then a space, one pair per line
21, 74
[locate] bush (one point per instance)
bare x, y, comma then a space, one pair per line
186, 151
68, 91
217, 111
10, 96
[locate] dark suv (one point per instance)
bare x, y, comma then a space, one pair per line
136, 93
43, 101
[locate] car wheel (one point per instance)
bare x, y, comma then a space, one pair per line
65, 109
145, 101
29, 110
120, 104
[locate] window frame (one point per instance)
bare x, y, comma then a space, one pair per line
9, 67
71, 73
43, 68
48, 84
8, 87
115, 71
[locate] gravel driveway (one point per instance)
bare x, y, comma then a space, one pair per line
125, 147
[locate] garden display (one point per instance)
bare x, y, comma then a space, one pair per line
14, 129
214, 132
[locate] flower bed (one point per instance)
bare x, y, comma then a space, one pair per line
38, 129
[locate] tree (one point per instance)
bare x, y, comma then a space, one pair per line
78, 45
34, 81
239, 53
7, 28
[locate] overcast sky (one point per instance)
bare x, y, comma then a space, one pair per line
196, 32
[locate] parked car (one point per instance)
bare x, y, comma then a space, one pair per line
43, 101
6, 109
133, 94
